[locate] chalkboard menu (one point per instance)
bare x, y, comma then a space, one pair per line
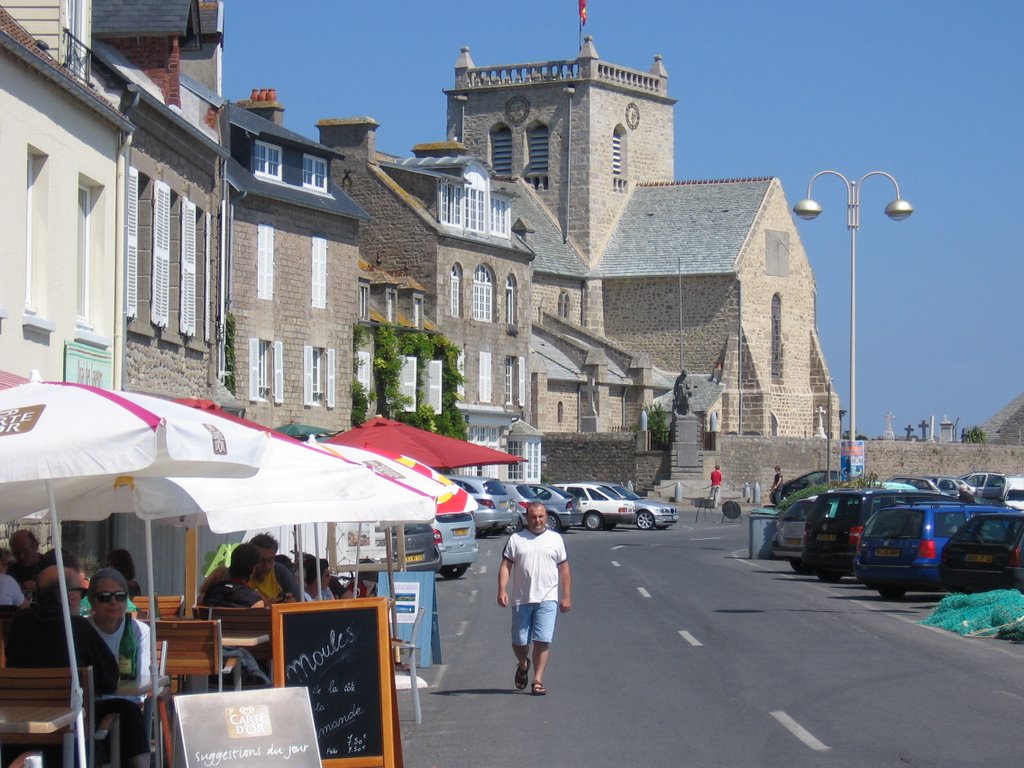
340, 651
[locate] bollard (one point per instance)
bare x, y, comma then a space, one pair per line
677, 495
746, 492
757, 492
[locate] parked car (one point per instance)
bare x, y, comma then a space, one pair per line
561, 507
985, 554
921, 483
806, 480
494, 507
1013, 493
951, 486
901, 546
987, 485
599, 506
650, 513
789, 534
458, 546
421, 547
836, 521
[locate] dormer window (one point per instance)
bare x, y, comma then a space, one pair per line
417, 311
314, 173
266, 161
390, 304
449, 203
501, 219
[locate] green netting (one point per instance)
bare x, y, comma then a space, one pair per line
999, 613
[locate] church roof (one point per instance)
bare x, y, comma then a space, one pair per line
553, 255
692, 227
1009, 421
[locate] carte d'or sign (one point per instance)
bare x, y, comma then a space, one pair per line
18, 421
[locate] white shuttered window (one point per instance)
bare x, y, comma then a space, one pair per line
160, 311
332, 380
522, 381
365, 361
278, 371
408, 382
131, 282
434, 385
187, 303
485, 377
265, 262
319, 273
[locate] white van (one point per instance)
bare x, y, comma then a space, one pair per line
1013, 492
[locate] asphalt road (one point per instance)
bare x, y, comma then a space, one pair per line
679, 651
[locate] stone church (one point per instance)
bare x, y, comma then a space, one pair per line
635, 275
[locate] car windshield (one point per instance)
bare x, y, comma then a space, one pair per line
494, 488
623, 492
1015, 494
895, 524
455, 517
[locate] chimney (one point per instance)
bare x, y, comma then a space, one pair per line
263, 102
356, 137
448, 148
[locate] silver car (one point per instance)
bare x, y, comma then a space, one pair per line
650, 513
459, 548
561, 507
494, 506
789, 534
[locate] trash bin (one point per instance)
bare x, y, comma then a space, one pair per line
762, 531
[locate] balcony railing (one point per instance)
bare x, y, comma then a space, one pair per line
77, 57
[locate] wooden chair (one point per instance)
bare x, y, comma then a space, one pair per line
167, 606
243, 621
194, 648
51, 686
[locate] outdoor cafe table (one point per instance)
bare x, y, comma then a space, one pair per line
34, 718
241, 639
142, 686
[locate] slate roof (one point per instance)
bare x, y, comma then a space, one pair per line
126, 18
262, 127
552, 256
696, 227
704, 393
336, 201
1006, 425
561, 367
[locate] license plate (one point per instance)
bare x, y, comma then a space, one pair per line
794, 542
461, 531
975, 558
885, 552
826, 537
414, 558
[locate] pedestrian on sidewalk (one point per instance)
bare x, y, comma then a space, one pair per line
716, 486
776, 488
536, 560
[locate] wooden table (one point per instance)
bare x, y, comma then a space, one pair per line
238, 639
141, 686
34, 718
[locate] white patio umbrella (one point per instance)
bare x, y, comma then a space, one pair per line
59, 440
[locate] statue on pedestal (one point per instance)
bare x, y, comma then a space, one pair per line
681, 396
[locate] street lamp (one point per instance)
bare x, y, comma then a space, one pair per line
898, 210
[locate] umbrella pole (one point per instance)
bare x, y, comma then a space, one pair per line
355, 571
154, 669
301, 556
76, 684
389, 550
316, 554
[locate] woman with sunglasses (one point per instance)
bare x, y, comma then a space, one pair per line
128, 640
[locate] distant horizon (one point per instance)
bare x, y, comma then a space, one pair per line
762, 91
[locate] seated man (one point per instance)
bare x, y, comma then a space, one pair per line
27, 560
235, 592
272, 579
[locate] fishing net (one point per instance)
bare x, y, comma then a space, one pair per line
999, 613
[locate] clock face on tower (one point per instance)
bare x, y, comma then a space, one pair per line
516, 109
632, 116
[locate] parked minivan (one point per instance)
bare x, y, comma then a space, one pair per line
836, 521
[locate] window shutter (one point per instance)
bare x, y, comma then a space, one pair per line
365, 363
278, 371
187, 313
332, 381
485, 377
460, 364
265, 263
409, 382
434, 385
522, 381
161, 254
131, 286
307, 375
254, 370
207, 221
319, 273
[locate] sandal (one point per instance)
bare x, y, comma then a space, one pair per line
539, 689
522, 675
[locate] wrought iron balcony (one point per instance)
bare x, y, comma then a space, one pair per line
77, 56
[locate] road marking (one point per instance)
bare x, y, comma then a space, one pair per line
643, 592
690, 638
472, 595
462, 628
615, 563
482, 570
707, 538
799, 731
618, 546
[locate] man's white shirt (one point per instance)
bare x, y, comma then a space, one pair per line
535, 560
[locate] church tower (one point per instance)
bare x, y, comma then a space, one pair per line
581, 133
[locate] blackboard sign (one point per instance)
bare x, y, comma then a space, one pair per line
340, 651
245, 729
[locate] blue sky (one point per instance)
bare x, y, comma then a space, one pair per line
932, 92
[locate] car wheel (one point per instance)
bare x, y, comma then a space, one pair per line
554, 524
892, 593
483, 533
592, 521
453, 571
830, 577
644, 520
798, 565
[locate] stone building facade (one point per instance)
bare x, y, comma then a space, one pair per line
640, 274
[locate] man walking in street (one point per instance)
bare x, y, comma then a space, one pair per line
535, 558
716, 486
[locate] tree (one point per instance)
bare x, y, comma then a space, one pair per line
974, 435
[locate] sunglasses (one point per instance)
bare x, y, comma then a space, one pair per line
106, 597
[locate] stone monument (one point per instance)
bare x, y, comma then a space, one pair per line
685, 427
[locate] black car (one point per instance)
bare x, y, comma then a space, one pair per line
836, 521
985, 554
806, 480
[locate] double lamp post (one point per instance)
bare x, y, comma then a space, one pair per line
897, 210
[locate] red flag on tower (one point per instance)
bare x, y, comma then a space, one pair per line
583, 12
